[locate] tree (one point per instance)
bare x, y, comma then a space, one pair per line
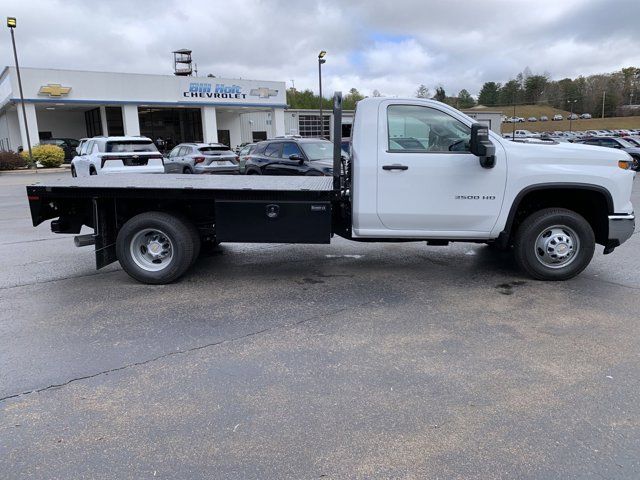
489, 94
511, 93
376, 93
465, 100
440, 95
350, 99
534, 86
422, 92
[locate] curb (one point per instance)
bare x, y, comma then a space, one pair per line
34, 171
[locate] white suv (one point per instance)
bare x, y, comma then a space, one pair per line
102, 155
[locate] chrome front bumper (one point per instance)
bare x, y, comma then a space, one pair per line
621, 228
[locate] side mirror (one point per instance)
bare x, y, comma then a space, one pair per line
481, 146
297, 158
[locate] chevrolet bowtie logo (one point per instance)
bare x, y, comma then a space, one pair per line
263, 92
54, 90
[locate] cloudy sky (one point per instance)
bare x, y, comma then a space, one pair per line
392, 46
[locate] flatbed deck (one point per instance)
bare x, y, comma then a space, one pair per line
191, 182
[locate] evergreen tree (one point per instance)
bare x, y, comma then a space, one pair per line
465, 100
489, 94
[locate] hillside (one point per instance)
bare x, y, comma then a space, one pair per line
526, 111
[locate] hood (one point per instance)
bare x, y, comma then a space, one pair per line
323, 163
632, 150
564, 153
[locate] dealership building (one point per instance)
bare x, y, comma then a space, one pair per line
169, 109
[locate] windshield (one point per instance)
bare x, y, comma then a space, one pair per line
320, 150
625, 143
127, 146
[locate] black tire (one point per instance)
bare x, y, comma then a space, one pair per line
92, 171
252, 172
195, 236
177, 230
73, 172
539, 225
187, 171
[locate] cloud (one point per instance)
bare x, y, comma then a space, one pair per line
389, 46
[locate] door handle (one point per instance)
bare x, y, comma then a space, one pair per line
395, 167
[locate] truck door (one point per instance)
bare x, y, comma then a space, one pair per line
428, 181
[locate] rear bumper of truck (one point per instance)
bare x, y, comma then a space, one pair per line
621, 227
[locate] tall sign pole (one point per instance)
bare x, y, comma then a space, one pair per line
11, 23
321, 60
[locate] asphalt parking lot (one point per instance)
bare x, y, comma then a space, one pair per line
342, 361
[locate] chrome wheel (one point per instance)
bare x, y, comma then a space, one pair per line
557, 246
151, 250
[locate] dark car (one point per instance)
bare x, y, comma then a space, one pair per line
67, 144
291, 156
615, 142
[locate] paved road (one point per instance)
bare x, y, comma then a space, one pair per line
342, 361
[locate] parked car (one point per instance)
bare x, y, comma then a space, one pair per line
585, 116
615, 142
244, 153
190, 158
109, 155
544, 118
532, 119
572, 116
525, 134
515, 120
557, 117
291, 156
69, 146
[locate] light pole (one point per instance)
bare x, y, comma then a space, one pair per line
11, 23
572, 103
321, 60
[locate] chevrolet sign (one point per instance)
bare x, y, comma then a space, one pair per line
54, 90
263, 92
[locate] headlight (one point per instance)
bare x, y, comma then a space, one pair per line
624, 164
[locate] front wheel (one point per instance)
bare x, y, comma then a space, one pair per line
155, 247
554, 244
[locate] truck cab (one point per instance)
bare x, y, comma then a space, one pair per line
417, 177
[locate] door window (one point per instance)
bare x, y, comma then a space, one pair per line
414, 128
273, 150
289, 149
87, 148
609, 142
174, 152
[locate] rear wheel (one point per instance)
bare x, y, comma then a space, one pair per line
187, 171
155, 247
73, 172
92, 171
554, 244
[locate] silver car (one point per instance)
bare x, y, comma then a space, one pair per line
201, 158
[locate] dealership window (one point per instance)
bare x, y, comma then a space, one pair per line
115, 126
309, 126
92, 122
258, 136
417, 128
168, 127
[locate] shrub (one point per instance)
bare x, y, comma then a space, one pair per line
11, 161
49, 156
